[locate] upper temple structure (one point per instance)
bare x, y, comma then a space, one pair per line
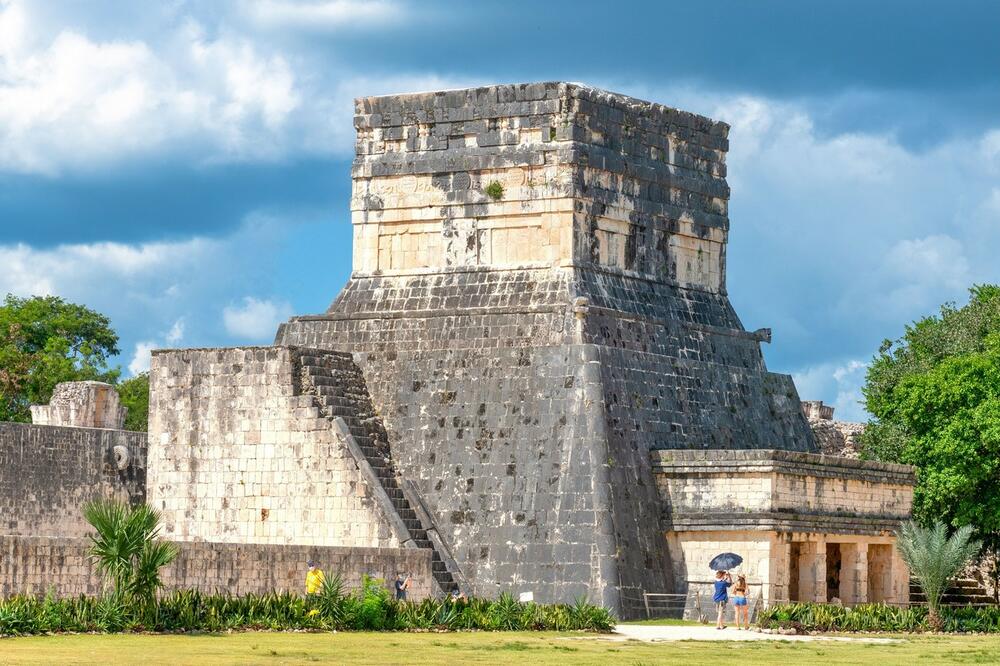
534, 377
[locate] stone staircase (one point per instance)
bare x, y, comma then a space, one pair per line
961, 592
339, 390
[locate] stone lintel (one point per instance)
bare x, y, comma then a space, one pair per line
778, 521
728, 462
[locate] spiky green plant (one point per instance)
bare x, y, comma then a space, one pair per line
934, 559
125, 549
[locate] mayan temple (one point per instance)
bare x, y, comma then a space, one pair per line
538, 300
533, 381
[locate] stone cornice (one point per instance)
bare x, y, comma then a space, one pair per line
779, 521
767, 461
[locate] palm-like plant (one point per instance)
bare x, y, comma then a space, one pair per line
125, 550
934, 559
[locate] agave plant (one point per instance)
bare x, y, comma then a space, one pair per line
125, 550
934, 559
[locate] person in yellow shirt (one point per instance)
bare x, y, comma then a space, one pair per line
314, 578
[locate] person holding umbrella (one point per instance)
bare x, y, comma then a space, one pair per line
723, 581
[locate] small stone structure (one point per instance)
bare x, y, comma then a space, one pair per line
533, 381
838, 438
810, 527
82, 405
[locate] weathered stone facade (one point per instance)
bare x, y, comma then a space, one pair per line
38, 565
534, 377
527, 350
838, 438
810, 527
82, 405
241, 455
47, 474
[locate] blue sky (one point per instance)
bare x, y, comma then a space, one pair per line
185, 167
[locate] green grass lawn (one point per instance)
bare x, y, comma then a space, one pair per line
477, 648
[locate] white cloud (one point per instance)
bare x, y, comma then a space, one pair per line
13, 22
143, 349
255, 319
156, 294
72, 102
65, 269
141, 357
176, 333
330, 14
837, 384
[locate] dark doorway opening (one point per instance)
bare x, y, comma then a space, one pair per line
794, 571
833, 571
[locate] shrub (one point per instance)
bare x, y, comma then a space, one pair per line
370, 608
934, 559
877, 617
125, 550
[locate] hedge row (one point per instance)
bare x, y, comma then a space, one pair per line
370, 609
876, 617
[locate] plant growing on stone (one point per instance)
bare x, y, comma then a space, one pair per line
125, 549
494, 191
934, 558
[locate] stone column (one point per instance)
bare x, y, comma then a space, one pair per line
900, 575
880, 581
854, 573
812, 571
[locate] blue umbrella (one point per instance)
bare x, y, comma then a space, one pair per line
725, 562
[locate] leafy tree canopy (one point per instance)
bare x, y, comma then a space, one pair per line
134, 394
44, 341
935, 396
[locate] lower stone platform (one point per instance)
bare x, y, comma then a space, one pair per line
810, 527
38, 565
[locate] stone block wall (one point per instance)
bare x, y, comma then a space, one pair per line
34, 565
48, 474
782, 482
655, 203
82, 404
240, 455
810, 527
551, 335
691, 552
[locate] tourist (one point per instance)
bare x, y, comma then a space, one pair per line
722, 582
457, 596
740, 607
402, 584
314, 578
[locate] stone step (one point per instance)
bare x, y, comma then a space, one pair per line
340, 391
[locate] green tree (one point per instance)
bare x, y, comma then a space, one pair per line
44, 341
125, 549
134, 394
935, 396
934, 559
